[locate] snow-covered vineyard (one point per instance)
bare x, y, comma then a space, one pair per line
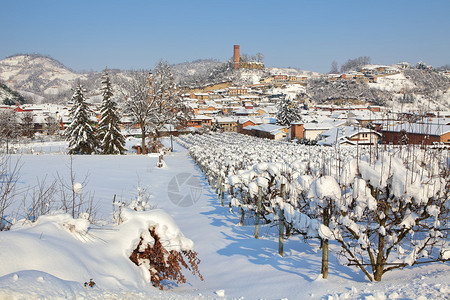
386, 208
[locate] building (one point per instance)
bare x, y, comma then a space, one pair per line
236, 91
267, 131
199, 120
297, 131
242, 123
418, 134
227, 124
349, 135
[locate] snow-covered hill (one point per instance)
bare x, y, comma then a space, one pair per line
196, 67
38, 74
41, 78
8, 96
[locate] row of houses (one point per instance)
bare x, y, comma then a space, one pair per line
324, 126
346, 128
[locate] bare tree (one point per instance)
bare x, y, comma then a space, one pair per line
260, 57
137, 105
9, 174
334, 68
8, 127
52, 125
355, 64
27, 124
153, 100
166, 96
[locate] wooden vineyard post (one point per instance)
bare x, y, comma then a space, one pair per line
242, 210
221, 194
281, 222
258, 212
218, 184
324, 242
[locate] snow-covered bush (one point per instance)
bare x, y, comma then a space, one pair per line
161, 263
146, 248
394, 212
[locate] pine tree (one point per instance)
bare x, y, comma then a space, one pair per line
80, 133
288, 112
111, 139
404, 140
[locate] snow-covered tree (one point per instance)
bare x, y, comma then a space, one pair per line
355, 64
51, 124
8, 126
137, 104
404, 140
27, 124
216, 127
288, 112
153, 100
166, 96
80, 132
334, 68
111, 139
393, 208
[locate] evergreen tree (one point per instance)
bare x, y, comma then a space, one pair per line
288, 112
404, 140
111, 139
216, 127
80, 133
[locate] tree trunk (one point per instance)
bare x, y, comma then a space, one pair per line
324, 242
324, 270
281, 223
258, 212
144, 148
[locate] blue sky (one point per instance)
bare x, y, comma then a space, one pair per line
90, 35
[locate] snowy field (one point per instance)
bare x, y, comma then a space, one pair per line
54, 258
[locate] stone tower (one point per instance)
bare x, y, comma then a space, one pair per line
236, 57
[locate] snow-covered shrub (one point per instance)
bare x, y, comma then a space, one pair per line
161, 263
394, 213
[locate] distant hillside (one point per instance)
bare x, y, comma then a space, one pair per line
405, 89
9, 97
37, 76
196, 67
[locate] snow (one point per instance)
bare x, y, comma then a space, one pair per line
56, 255
78, 188
393, 83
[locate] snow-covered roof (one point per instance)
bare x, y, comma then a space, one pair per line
245, 111
271, 128
417, 128
343, 135
225, 119
322, 125
201, 117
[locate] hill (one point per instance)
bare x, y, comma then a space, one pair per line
9, 97
36, 76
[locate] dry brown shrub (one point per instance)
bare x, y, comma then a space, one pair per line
164, 264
